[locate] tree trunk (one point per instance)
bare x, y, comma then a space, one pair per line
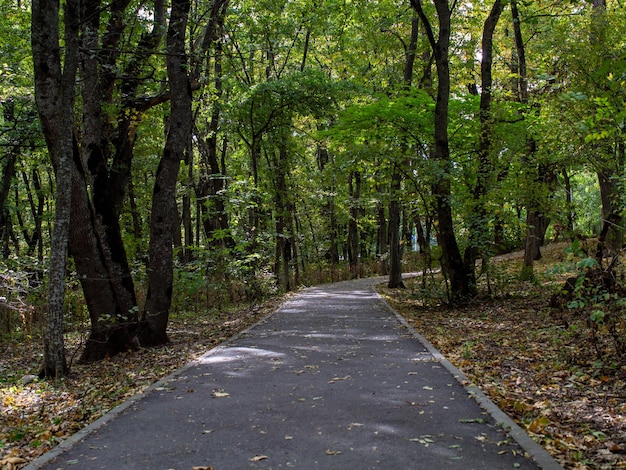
610, 173
160, 270
102, 174
382, 237
478, 226
533, 206
451, 260
54, 94
186, 252
8, 172
111, 328
610, 194
213, 177
329, 212
395, 208
36, 210
395, 247
354, 185
283, 215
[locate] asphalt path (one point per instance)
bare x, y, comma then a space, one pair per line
334, 379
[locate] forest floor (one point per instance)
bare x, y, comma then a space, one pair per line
36, 416
542, 373
539, 365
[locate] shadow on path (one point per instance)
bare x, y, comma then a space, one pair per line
332, 380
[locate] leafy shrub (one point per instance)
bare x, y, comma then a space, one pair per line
597, 295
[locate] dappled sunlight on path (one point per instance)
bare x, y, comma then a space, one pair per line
332, 380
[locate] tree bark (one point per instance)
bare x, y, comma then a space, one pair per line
329, 211
395, 207
395, 247
8, 172
611, 168
283, 217
478, 232
613, 239
213, 175
354, 185
160, 271
533, 209
451, 260
102, 173
54, 94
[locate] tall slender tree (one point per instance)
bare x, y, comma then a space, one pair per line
55, 73
478, 234
164, 213
451, 259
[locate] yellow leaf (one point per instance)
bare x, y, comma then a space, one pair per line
539, 424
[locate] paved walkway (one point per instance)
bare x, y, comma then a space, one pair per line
332, 380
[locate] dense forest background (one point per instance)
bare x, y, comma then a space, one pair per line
195, 154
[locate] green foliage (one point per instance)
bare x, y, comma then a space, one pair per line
596, 294
220, 279
345, 93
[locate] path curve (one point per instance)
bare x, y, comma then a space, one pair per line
334, 379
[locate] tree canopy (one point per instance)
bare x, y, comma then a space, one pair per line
241, 148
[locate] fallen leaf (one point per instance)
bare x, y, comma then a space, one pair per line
473, 420
258, 458
333, 452
219, 394
613, 447
537, 425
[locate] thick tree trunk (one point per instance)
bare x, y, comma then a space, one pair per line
111, 328
102, 174
160, 270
